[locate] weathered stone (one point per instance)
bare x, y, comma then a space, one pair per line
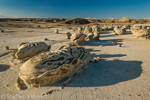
56, 31
50, 67
140, 33
27, 50
118, 31
88, 30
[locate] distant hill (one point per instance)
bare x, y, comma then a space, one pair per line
79, 20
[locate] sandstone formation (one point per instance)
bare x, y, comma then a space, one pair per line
141, 33
119, 31
27, 50
50, 67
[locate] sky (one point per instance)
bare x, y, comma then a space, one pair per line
99, 9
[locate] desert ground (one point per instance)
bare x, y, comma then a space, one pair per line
122, 74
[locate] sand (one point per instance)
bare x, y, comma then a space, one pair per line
122, 74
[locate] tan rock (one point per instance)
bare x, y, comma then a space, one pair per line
75, 36
140, 33
96, 28
119, 45
96, 36
50, 67
56, 31
27, 50
136, 27
118, 31
88, 30
90, 36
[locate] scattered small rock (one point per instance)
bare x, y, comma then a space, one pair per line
2, 30
61, 87
138, 95
48, 92
56, 31
96, 60
119, 45
99, 58
45, 39
114, 42
7, 48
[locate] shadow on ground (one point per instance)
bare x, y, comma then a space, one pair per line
127, 33
4, 67
106, 72
107, 42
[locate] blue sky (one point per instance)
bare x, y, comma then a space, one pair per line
99, 9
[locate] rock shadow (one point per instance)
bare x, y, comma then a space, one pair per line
4, 67
107, 35
107, 73
127, 33
108, 42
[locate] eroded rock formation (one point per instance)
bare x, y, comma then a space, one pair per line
50, 67
27, 50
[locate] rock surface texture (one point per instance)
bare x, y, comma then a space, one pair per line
50, 67
27, 50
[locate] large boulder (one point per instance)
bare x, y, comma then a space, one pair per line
141, 33
119, 31
136, 27
50, 67
27, 50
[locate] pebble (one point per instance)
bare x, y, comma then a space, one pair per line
119, 45
7, 48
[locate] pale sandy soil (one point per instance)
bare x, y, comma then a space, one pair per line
127, 78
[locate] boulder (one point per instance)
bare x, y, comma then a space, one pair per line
50, 67
140, 33
56, 31
27, 50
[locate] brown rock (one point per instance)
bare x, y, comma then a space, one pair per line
7, 48
119, 45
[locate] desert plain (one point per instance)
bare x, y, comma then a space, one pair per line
122, 74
